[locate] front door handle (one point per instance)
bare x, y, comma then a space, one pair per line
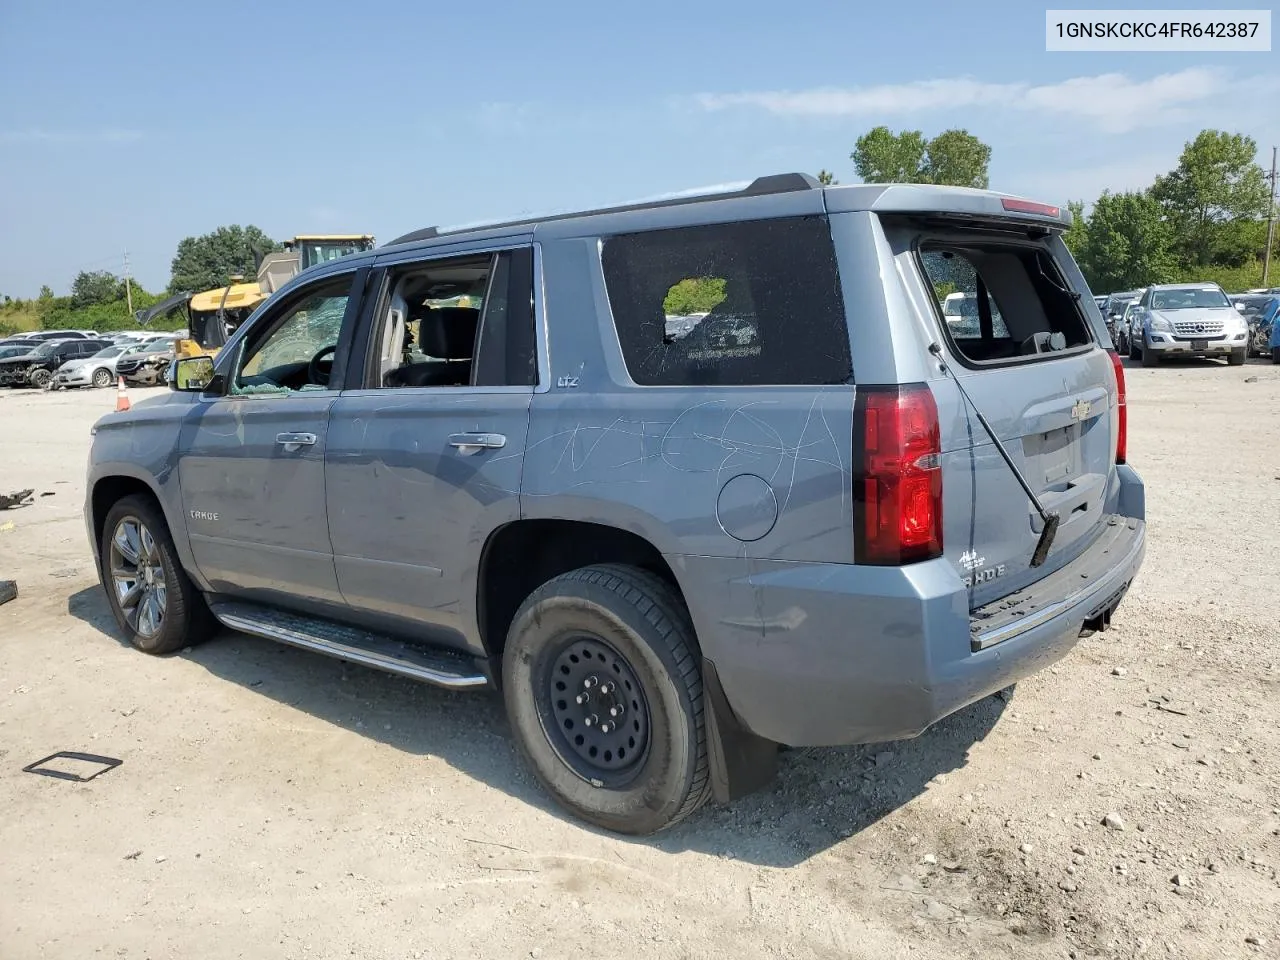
470, 443
293, 441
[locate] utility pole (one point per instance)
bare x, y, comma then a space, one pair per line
128, 288
1271, 220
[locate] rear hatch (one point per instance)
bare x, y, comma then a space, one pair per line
1034, 365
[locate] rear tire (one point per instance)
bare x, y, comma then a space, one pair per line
1149, 357
153, 600
102, 377
1236, 358
1275, 354
620, 639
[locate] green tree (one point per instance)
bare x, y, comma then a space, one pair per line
882, 156
953, 157
46, 293
827, 178
209, 261
96, 286
1078, 232
1216, 187
1128, 243
958, 158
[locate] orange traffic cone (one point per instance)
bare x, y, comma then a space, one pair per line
122, 398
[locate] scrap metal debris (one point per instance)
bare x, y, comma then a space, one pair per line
8, 590
106, 763
20, 499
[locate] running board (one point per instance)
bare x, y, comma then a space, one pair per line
443, 668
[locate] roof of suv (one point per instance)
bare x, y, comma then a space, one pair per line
882, 198
1207, 284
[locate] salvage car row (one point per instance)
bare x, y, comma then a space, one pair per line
1167, 321
83, 358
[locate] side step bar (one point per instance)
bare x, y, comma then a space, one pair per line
443, 668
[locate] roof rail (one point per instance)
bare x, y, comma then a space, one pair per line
760, 186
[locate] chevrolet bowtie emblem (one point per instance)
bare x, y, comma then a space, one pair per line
1081, 409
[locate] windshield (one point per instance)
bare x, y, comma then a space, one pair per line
46, 349
322, 252
109, 352
1189, 299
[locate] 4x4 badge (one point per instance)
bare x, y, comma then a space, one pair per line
1081, 409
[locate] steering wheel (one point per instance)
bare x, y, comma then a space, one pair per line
318, 372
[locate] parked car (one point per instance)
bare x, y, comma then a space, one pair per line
1123, 337
1188, 320
1259, 312
16, 347
1114, 309
673, 552
140, 367
98, 370
59, 335
36, 367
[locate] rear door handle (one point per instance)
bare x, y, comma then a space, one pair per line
470, 443
292, 441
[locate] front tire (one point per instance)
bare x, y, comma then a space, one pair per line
603, 690
1149, 357
155, 603
40, 378
1236, 358
102, 377
1275, 354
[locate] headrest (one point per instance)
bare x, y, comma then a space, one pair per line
448, 332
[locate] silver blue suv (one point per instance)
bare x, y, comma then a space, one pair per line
687, 480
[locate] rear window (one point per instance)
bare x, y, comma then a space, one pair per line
1001, 301
735, 304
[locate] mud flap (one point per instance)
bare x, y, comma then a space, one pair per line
741, 762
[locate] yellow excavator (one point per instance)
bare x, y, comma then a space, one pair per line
213, 315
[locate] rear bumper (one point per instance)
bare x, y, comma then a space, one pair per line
826, 654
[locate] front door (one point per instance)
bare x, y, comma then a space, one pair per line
252, 460
424, 457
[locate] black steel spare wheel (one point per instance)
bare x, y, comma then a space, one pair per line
599, 718
602, 679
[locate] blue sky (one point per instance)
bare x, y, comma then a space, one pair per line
130, 125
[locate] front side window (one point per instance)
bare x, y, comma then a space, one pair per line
297, 352
735, 304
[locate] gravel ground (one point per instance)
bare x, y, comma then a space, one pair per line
273, 803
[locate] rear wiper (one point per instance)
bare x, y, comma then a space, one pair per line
1051, 519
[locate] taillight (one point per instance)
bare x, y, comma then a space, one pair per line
1122, 409
1014, 205
897, 486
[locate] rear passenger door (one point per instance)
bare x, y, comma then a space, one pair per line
426, 450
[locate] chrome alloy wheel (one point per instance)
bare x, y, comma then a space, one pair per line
137, 577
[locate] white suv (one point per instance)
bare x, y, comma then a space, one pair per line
1188, 320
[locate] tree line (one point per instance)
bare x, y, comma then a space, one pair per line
1206, 219
99, 300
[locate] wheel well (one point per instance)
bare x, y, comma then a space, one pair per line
107, 492
522, 556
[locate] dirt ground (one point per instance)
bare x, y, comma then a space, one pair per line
273, 803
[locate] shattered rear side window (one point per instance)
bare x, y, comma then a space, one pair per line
735, 304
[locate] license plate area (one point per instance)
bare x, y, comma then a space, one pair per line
1053, 456
1199, 344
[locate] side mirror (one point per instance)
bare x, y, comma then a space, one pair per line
193, 375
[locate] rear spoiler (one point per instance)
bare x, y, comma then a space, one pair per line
952, 204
